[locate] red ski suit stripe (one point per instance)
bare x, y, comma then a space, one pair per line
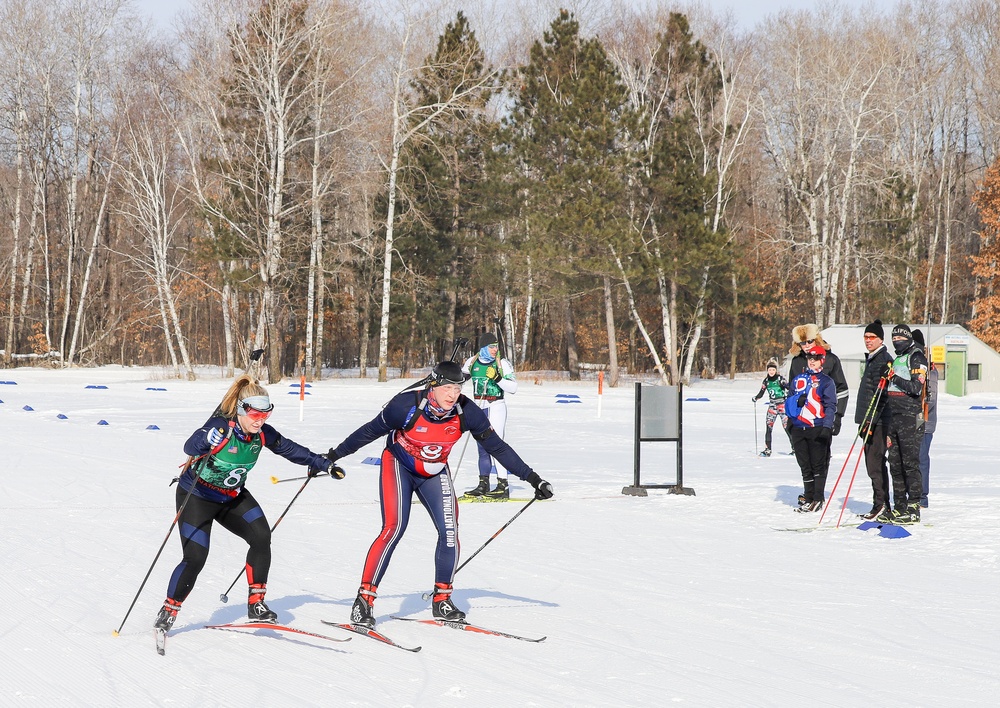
397, 485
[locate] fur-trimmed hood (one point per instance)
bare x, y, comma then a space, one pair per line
803, 333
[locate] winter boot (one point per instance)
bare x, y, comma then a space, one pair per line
167, 614
766, 452
501, 492
256, 609
443, 608
909, 515
887, 516
802, 499
483, 488
361, 612
877, 509
809, 507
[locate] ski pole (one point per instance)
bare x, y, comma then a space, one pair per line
866, 420
427, 595
275, 480
756, 449
163, 545
225, 596
461, 457
849, 485
203, 461
868, 434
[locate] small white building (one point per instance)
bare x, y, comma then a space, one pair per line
966, 364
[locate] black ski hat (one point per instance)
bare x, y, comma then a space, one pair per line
447, 372
901, 330
876, 329
918, 337
772, 363
487, 338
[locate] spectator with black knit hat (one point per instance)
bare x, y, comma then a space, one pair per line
872, 415
930, 419
804, 337
811, 407
905, 433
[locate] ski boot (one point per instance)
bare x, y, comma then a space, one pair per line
887, 516
766, 452
361, 612
909, 515
443, 608
501, 492
167, 615
809, 507
256, 609
876, 511
483, 488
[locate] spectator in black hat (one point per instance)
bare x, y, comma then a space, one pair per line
872, 415
905, 433
930, 419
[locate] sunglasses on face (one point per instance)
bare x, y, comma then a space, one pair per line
871, 336
806, 343
254, 414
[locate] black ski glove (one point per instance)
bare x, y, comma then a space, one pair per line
755, 398
543, 490
825, 434
836, 424
333, 469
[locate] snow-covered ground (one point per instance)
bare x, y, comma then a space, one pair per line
693, 600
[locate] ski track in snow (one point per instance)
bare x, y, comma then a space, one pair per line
645, 601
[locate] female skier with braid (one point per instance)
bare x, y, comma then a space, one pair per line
222, 453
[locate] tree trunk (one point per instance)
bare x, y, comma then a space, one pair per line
572, 358
609, 321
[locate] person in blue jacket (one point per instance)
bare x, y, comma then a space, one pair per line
421, 427
811, 408
221, 454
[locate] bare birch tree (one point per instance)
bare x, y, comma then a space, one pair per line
408, 119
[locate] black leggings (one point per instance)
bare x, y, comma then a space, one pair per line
241, 516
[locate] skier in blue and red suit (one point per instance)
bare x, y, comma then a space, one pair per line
421, 427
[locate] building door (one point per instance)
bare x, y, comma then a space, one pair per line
955, 372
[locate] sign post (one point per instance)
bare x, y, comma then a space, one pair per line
658, 419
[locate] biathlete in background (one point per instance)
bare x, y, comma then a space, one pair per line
421, 427
492, 380
812, 408
222, 453
776, 388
